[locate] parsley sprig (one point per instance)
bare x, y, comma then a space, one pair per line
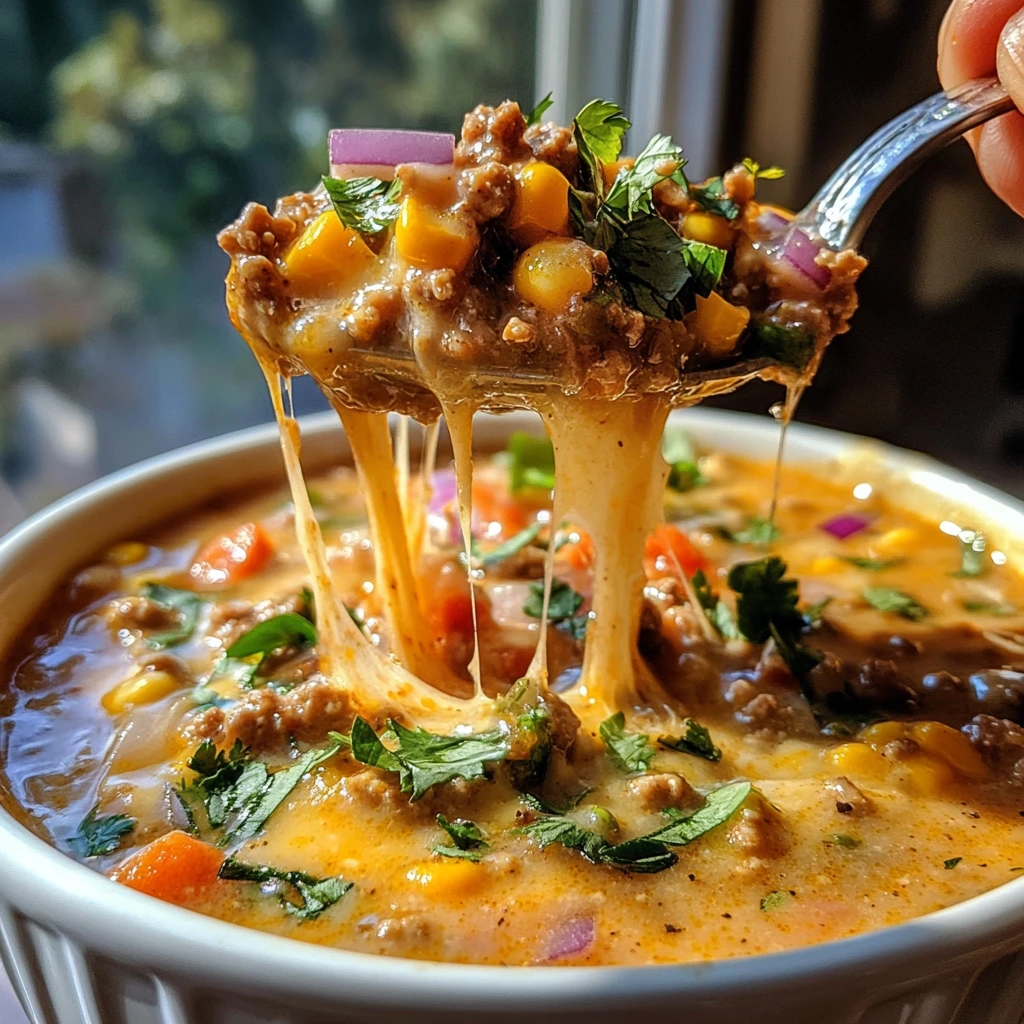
315, 895
186, 603
97, 837
628, 751
367, 205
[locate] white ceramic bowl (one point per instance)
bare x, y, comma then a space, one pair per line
81, 950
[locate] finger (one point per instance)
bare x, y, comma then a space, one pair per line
1010, 58
969, 38
1000, 151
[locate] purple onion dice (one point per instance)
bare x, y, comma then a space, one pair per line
845, 525
390, 147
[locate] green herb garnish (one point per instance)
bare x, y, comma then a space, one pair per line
767, 173
844, 841
889, 599
711, 197
468, 841
368, 205
531, 463
534, 116
972, 554
287, 630
598, 129
630, 193
951, 863
718, 612
563, 605
629, 751
99, 836
186, 603
759, 532
874, 564
524, 538
424, 759
315, 894
814, 613
989, 608
695, 740
787, 345
774, 899
678, 451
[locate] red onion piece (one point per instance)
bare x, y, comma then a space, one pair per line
846, 524
772, 221
443, 490
390, 146
799, 251
571, 937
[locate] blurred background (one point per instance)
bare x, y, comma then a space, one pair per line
131, 130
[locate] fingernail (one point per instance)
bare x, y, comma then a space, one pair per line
944, 44
1010, 58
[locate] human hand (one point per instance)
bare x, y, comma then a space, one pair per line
980, 38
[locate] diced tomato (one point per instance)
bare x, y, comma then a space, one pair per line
493, 504
448, 605
668, 540
233, 556
176, 868
579, 554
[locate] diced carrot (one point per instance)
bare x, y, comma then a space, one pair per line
667, 541
175, 868
493, 504
579, 554
233, 556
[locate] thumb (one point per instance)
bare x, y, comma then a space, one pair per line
1010, 58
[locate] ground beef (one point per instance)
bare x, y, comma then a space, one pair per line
93, 582
757, 832
998, 740
139, 613
848, 798
230, 620
493, 134
265, 719
664, 789
487, 191
555, 145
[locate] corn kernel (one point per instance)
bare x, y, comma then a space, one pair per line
431, 238
550, 273
881, 734
127, 553
896, 541
717, 323
326, 255
858, 760
825, 565
927, 775
144, 688
951, 746
449, 877
541, 206
708, 228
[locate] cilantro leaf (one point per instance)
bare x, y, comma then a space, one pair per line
532, 462
641, 855
774, 899
677, 450
720, 805
563, 603
513, 545
99, 836
874, 564
424, 759
718, 612
287, 630
889, 599
711, 197
759, 532
767, 174
629, 751
972, 554
466, 835
601, 125
530, 740
185, 602
790, 346
567, 833
316, 894
534, 116
989, 607
695, 739
368, 205
951, 863
648, 261
813, 613
630, 193
706, 264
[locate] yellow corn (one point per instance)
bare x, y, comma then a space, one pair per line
825, 565
145, 688
858, 760
708, 228
431, 238
127, 553
550, 273
541, 205
896, 542
927, 774
881, 734
448, 877
951, 746
717, 323
326, 255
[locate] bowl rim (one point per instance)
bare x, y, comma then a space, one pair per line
46, 885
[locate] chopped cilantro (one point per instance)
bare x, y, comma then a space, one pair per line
844, 841
367, 205
1000, 608
287, 630
711, 197
951, 863
889, 599
630, 193
424, 759
687, 826
766, 173
185, 602
972, 554
695, 739
598, 129
759, 532
99, 836
773, 899
629, 751
535, 115
524, 538
531, 463
874, 564
563, 604
790, 346
530, 743
718, 612
647, 258
706, 264
677, 450
466, 835
315, 894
